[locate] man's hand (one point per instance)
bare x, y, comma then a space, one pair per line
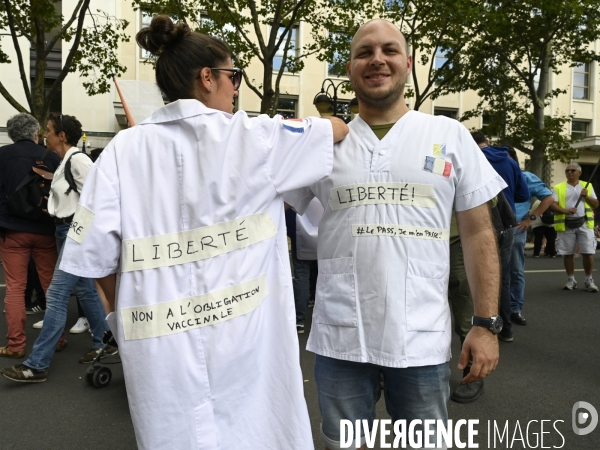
340, 129
524, 224
571, 211
584, 193
482, 344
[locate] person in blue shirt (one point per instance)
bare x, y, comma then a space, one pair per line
537, 189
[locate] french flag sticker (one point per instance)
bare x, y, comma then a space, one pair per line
293, 125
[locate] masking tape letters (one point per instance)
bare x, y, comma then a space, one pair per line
408, 194
82, 221
401, 231
195, 245
163, 319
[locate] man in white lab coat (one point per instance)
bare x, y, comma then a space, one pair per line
381, 307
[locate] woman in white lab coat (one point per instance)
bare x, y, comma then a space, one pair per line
182, 221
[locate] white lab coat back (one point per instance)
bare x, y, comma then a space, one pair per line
233, 383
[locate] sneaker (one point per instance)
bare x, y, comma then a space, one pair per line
590, 285
81, 326
8, 353
91, 355
62, 343
505, 337
24, 374
34, 308
300, 328
571, 284
38, 325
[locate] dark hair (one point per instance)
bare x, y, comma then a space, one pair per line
69, 124
95, 154
513, 154
181, 54
479, 137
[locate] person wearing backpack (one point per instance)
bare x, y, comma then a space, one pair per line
23, 234
62, 135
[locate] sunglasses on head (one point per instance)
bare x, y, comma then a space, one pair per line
571, 170
236, 78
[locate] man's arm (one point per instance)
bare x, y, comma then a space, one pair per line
340, 129
543, 206
557, 208
592, 202
108, 285
482, 265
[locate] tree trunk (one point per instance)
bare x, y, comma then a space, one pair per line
266, 104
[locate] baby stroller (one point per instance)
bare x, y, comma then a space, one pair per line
97, 375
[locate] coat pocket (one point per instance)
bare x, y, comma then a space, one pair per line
426, 296
206, 430
336, 295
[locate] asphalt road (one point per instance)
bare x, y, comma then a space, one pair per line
553, 363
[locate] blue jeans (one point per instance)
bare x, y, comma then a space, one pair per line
505, 242
350, 390
301, 285
517, 272
57, 300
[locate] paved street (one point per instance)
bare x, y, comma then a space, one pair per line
553, 363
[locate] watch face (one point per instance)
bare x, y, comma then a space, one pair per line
533, 217
497, 324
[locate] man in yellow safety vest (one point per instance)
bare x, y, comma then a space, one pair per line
575, 225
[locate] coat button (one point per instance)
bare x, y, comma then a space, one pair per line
382, 152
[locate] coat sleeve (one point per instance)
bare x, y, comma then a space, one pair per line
93, 245
298, 152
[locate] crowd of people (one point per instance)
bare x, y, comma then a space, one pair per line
176, 239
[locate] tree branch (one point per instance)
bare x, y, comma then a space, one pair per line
69, 61
64, 29
10, 99
242, 32
13, 33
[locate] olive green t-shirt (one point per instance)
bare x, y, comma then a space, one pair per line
381, 130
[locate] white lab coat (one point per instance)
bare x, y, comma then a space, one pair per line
307, 231
186, 208
383, 240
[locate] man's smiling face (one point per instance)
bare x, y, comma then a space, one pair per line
379, 65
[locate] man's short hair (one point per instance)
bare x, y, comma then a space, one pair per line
69, 124
22, 127
479, 137
513, 154
577, 166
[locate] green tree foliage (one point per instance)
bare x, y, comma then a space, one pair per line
510, 59
259, 33
92, 48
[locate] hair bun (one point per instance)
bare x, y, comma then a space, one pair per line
161, 34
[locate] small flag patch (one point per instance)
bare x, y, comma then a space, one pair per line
293, 125
437, 166
439, 149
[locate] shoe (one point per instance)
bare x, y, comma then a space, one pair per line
467, 393
300, 328
81, 326
8, 353
38, 325
590, 285
62, 343
91, 355
518, 319
536, 256
571, 284
24, 374
505, 338
34, 308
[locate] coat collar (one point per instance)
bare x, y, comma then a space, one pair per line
181, 109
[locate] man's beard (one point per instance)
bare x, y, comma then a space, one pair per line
382, 100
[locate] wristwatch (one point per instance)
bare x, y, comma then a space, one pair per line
494, 323
533, 217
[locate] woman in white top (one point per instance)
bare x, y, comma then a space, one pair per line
62, 135
182, 222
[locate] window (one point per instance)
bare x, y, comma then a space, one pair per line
581, 81
337, 67
579, 129
487, 127
343, 110
448, 112
390, 4
440, 58
278, 58
287, 107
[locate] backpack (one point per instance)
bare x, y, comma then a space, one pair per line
69, 174
30, 197
547, 217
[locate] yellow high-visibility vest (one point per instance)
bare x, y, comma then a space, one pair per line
559, 219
